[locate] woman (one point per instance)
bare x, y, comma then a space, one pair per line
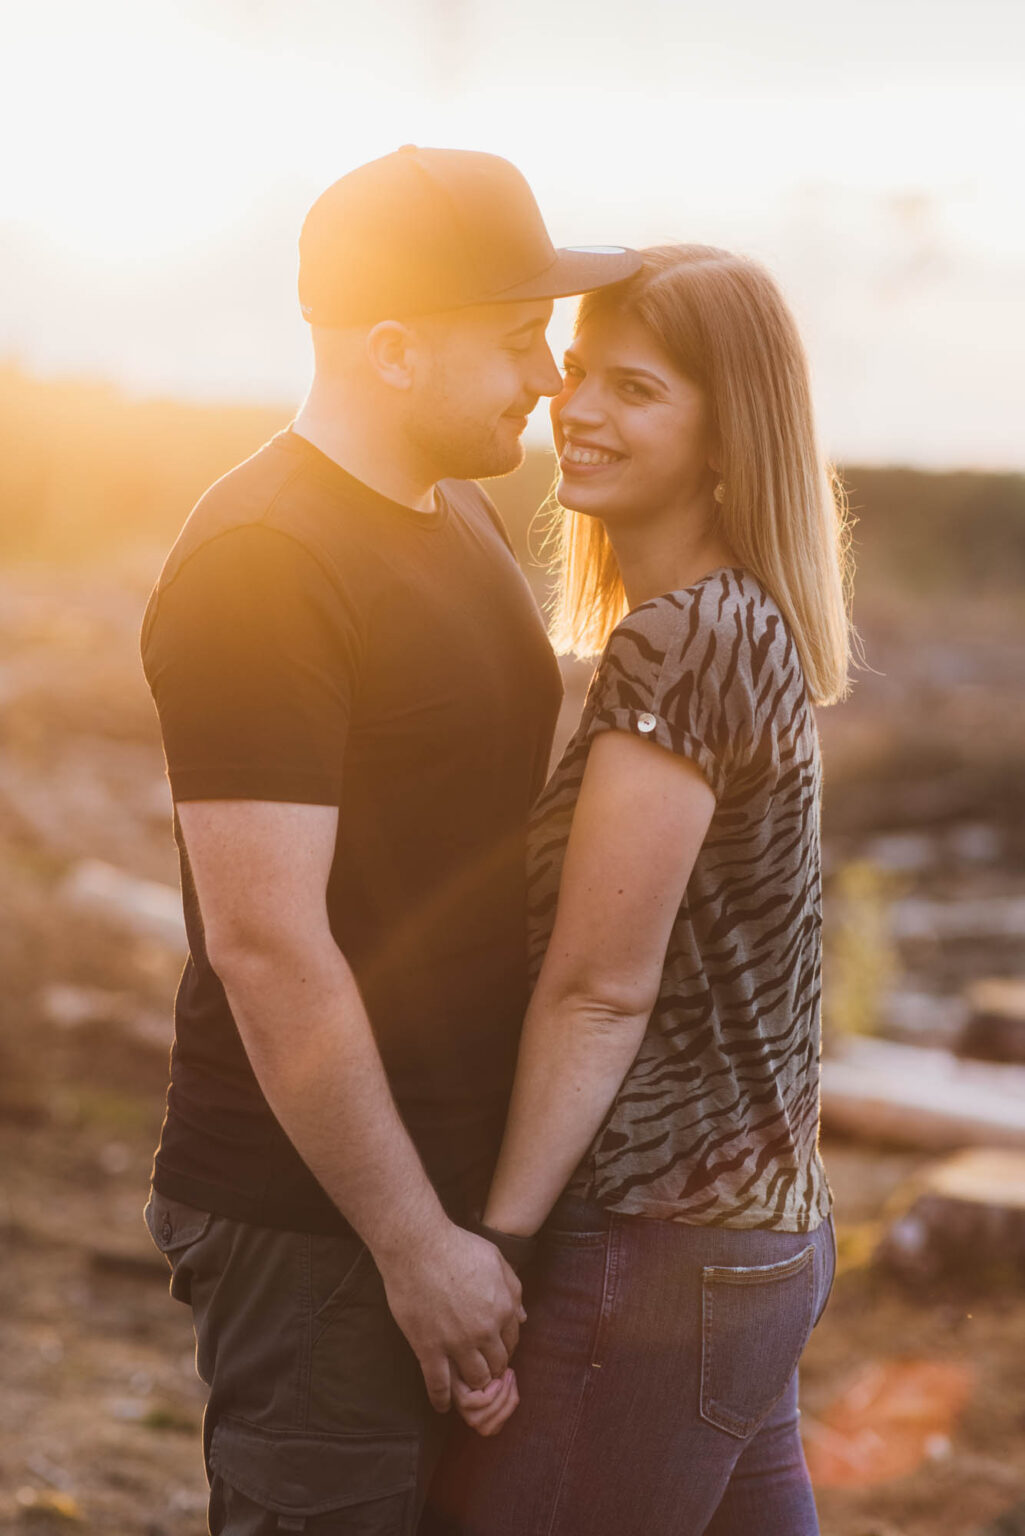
663, 1129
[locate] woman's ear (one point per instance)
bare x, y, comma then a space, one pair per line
390, 354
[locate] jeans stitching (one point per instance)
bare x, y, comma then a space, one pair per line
610, 1288
575, 1239
586, 1385
721, 1417
832, 1278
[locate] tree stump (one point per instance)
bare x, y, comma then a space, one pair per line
963, 1217
995, 1030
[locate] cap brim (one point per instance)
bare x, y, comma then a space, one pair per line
579, 270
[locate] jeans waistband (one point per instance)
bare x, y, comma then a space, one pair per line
571, 1213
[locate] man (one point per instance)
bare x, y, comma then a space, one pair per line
357, 702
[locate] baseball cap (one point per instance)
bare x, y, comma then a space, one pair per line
422, 230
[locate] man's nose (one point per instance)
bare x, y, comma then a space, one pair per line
548, 379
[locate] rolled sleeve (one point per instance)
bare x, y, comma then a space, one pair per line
666, 677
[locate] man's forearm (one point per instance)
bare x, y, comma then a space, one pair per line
573, 1058
310, 1043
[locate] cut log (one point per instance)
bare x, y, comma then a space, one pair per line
962, 1216
918, 1097
995, 1027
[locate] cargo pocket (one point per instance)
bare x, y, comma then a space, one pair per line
360, 1484
176, 1228
755, 1323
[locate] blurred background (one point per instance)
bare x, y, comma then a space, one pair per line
160, 158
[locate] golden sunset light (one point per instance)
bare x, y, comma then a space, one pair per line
166, 156
512, 749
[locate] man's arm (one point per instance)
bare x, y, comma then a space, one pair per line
261, 871
639, 822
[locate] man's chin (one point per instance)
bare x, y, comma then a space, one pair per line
499, 459
475, 457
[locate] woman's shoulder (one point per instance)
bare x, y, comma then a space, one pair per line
730, 602
721, 638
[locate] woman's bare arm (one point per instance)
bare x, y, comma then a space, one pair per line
640, 819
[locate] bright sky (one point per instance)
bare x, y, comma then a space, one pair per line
160, 157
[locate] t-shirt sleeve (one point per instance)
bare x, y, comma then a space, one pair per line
252, 655
672, 674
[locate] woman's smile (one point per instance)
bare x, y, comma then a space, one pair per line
620, 385
580, 457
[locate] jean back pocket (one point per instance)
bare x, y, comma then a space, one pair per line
755, 1323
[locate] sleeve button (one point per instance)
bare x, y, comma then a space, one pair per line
646, 723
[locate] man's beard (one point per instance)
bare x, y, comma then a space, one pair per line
455, 446
465, 450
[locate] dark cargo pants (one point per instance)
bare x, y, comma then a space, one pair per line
317, 1419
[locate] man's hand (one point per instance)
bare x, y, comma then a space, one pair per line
458, 1303
486, 1411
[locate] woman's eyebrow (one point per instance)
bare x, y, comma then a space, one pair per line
639, 373
620, 369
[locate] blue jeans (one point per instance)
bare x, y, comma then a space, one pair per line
658, 1387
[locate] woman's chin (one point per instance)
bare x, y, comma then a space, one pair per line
577, 498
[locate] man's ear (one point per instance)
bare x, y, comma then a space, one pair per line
389, 350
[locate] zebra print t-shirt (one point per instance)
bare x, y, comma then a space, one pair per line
717, 1120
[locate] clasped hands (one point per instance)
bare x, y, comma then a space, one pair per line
455, 1294
486, 1409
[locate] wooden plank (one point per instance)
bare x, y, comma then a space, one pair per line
920, 1097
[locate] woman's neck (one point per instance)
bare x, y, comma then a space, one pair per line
653, 560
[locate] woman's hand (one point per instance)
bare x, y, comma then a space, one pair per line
487, 1408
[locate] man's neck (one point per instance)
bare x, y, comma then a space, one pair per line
364, 450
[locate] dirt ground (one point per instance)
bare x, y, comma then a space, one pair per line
100, 1408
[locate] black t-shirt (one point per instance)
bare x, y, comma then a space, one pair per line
311, 641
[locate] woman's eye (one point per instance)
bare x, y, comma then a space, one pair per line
638, 391
571, 371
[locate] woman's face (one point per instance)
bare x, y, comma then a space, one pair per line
631, 431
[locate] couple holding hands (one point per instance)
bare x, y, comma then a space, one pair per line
490, 1166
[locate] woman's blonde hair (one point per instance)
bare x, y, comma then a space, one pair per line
724, 324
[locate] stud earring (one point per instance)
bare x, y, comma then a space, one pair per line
720, 492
